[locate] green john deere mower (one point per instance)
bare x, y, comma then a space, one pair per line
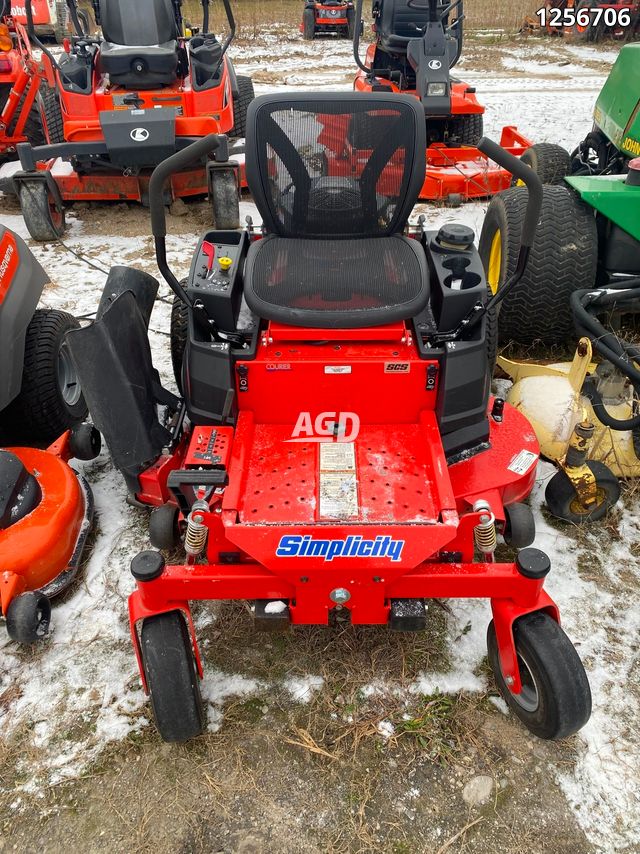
583, 277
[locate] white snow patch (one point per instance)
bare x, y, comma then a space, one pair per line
275, 607
302, 688
386, 729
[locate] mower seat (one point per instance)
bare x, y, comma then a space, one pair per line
140, 47
335, 255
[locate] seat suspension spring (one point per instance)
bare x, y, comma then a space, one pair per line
196, 534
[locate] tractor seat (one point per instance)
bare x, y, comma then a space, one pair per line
398, 24
335, 255
140, 47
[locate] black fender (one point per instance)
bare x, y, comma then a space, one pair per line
233, 78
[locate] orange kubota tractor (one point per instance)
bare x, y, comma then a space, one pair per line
128, 100
417, 44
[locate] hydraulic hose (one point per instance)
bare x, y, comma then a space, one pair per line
585, 304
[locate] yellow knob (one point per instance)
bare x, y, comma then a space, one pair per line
225, 262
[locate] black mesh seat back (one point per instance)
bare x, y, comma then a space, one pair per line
336, 284
138, 22
335, 165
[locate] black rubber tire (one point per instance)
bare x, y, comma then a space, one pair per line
40, 413
44, 221
163, 527
563, 258
308, 24
550, 162
520, 526
85, 442
246, 95
172, 679
33, 126
84, 21
50, 106
351, 23
564, 696
225, 199
589, 33
560, 495
179, 329
467, 129
492, 337
28, 617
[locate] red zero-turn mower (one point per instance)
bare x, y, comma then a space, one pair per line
45, 507
330, 16
417, 44
344, 300
128, 101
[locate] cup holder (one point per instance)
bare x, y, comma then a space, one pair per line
460, 279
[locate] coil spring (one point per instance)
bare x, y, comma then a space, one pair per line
484, 532
196, 533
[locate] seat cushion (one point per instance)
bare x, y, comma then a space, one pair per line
336, 283
142, 67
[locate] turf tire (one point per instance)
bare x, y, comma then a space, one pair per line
179, 330
308, 24
172, 679
246, 94
563, 693
50, 105
40, 413
550, 162
468, 129
563, 258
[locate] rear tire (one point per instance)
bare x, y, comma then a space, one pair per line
246, 95
556, 698
467, 129
179, 330
50, 105
563, 258
563, 502
308, 24
550, 162
172, 679
44, 219
351, 25
50, 400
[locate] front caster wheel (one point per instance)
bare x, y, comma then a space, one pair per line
564, 502
519, 526
555, 700
172, 679
85, 442
28, 617
42, 214
163, 527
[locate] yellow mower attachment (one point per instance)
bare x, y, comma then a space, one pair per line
590, 455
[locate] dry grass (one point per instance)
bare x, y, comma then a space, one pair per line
251, 15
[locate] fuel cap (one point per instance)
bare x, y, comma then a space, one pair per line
455, 236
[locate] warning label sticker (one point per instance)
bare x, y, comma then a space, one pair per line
337, 456
522, 462
338, 495
338, 482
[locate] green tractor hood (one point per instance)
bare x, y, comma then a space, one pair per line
610, 196
617, 110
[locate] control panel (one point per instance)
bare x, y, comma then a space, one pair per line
216, 275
